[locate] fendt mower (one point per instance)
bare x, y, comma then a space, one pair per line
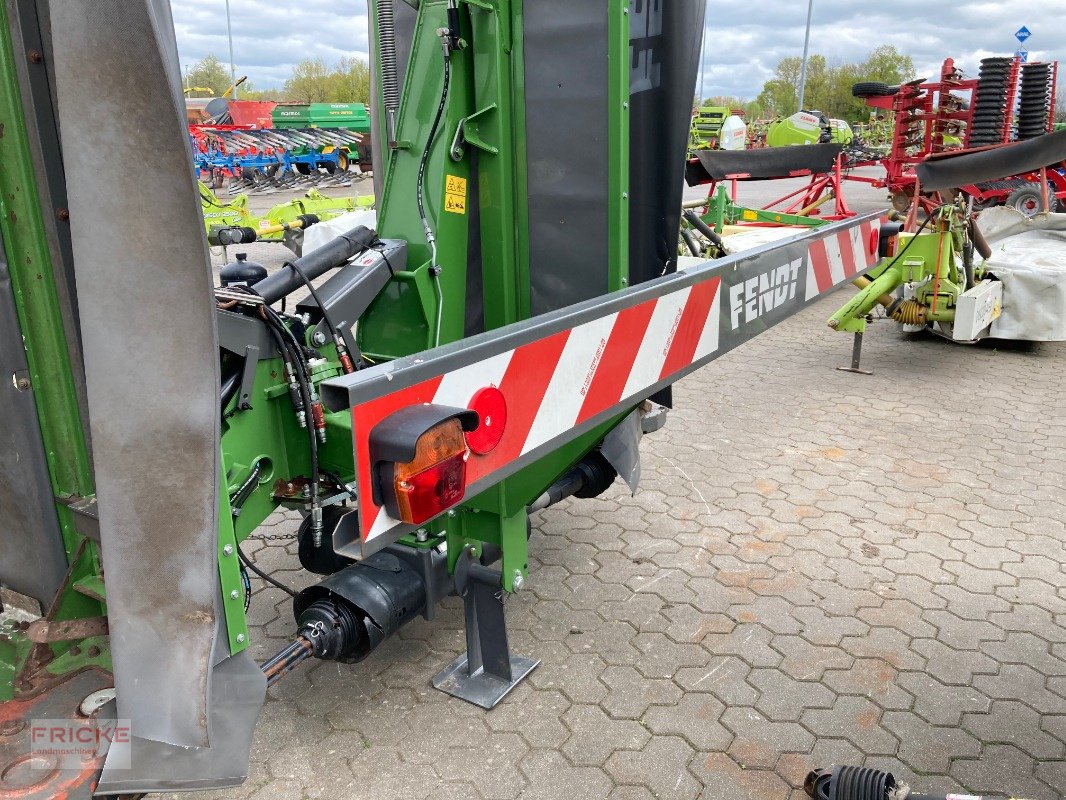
500, 342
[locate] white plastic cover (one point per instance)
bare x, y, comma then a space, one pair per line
734, 134
1029, 257
323, 232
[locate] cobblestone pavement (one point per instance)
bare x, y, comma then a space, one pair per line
820, 567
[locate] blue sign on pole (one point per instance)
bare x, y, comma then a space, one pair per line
1023, 55
1022, 34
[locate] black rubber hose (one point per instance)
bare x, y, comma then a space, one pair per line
690, 242
329, 256
304, 380
314, 293
276, 584
694, 220
244, 491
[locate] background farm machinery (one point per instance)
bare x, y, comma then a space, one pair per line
262, 161
262, 146
275, 224
1008, 101
718, 128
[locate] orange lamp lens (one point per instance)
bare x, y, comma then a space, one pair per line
436, 479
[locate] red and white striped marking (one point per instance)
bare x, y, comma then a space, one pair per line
841, 257
556, 383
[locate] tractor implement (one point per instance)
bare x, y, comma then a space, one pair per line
1007, 103
501, 341
932, 280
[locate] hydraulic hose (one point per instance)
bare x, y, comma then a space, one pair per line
329, 256
694, 220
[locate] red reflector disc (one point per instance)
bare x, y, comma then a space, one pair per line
491, 408
874, 243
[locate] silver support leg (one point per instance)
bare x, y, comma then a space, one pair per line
488, 670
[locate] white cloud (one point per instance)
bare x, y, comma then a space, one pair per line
745, 41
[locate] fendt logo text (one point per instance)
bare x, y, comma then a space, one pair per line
756, 296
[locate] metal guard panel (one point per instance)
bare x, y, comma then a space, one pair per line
565, 372
953, 170
767, 163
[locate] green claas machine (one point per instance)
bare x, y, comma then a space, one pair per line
501, 341
937, 274
707, 126
808, 127
270, 226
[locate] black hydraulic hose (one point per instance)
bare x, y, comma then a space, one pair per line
419, 181
229, 387
694, 220
314, 293
332, 254
690, 242
276, 584
304, 380
244, 491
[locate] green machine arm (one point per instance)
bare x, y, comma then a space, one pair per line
927, 259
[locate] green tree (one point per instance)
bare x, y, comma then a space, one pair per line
828, 87
312, 82
780, 94
209, 73
888, 65
353, 81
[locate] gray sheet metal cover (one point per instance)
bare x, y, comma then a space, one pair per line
147, 314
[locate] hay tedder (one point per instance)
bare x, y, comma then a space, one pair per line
501, 342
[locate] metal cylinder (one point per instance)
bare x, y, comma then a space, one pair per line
330, 255
353, 611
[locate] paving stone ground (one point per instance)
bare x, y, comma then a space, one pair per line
819, 568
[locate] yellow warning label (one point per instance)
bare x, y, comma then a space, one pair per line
749, 215
455, 185
456, 203
455, 194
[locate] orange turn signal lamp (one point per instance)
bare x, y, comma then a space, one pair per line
419, 456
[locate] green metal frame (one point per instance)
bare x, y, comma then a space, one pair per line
926, 258
50, 374
485, 119
723, 211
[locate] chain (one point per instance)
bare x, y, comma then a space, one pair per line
273, 537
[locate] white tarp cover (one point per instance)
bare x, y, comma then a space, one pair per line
323, 232
1029, 257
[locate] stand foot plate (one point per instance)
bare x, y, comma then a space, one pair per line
481, 688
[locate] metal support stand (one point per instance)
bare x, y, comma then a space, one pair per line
856, 358
488, 670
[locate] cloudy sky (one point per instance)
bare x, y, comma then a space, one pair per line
744, 40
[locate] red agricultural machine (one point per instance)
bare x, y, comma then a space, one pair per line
1007, 102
